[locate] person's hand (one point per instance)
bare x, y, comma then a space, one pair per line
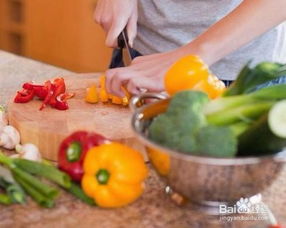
114, 15
144, 73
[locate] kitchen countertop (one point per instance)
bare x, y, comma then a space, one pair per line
153, 209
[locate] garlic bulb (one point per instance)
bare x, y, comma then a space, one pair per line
3, 118
9, 137
29, 151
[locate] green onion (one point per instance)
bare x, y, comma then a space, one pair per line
5, 199
33, 182
47, 171
272, 93
76, 190
243, 112
13, 190
41, 199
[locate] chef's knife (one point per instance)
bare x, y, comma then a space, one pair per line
125, 47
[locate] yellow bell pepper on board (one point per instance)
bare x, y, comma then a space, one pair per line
91, 95
190, 72
114, 175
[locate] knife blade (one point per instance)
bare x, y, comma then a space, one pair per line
125, 47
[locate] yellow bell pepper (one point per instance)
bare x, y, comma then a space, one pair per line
105, 97
190, 72
102, 93
91, 95
160, 160
113, 175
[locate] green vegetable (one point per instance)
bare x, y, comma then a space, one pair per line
184, 117
38, 196
32, 181
40, 192
267, 135
5, 199
216, 141
249, 78
76, 190
272, 93
44, 170
13, 190
246, 113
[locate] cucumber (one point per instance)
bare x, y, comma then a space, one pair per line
267, 135
277, 119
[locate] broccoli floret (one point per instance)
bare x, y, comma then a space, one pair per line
188, 100
176, 128
216, 141
173, 133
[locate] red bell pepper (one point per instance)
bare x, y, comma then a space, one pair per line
61, 101
54, 89
52, 93
73, 150
24, 96
59, 87
41, 91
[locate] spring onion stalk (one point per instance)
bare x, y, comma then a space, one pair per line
240, 127
40, 198
245, 113
5, 199
28, 179
44, 189
47, 171
274, 93
13, 190
76, 190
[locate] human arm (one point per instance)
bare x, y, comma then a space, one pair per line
246, 22
114, 15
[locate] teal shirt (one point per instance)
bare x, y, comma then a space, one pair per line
164, 25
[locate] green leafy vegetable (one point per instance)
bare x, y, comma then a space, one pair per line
249, 78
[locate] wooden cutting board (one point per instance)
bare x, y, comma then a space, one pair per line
47, 128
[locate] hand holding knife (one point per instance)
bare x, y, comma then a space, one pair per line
125, 47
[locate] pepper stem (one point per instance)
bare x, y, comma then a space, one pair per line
74, 152
102, 176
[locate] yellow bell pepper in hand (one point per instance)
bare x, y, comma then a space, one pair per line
113, 175
190, 72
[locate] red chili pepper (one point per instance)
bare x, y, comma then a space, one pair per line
73, 150
24, 96
59, 87
61, 101
50, 92
40, 90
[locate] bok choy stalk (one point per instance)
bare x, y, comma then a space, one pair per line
245, 107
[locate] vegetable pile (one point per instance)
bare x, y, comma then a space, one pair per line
93, 169
51, 93
248, 120
93, 96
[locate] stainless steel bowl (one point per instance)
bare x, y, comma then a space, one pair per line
204, 180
